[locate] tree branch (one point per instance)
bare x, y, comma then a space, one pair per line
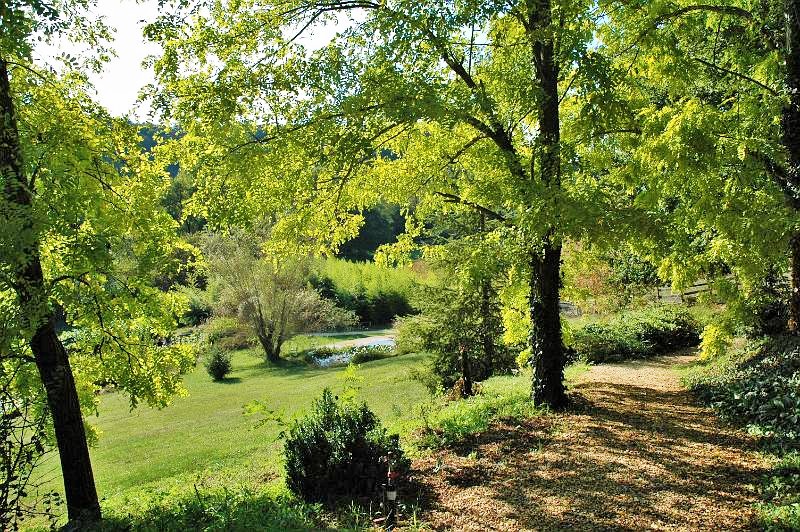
736, 74
452, 198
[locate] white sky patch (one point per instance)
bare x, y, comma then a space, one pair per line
122, 78
118, 85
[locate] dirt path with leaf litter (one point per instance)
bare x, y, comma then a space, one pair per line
636, 452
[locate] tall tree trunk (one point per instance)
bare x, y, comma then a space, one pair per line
546, 341
791, 141
49, 353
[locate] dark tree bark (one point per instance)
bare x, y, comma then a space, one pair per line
270, 350
791, 141
49, 353
546, 341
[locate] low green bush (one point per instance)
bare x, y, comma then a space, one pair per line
449, 423
781, 493
652, 331
759, 386
199, 309
337, 451
229, 334
218, 363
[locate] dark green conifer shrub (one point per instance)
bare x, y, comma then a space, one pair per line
218, 363
337, 452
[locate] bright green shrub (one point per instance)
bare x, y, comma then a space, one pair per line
715, 341
781, 493
229, 334
648, 332
453, 326
502, 398
218, 363
335, 452
200, 306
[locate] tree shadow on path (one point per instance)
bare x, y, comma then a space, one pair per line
628, 457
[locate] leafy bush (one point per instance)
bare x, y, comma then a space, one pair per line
457, 326
218, 363
200, 306
759, 387
781, 493
229, 334
766, 312
335, 452
653, 331
450, 423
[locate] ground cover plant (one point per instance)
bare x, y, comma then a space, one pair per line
757, 385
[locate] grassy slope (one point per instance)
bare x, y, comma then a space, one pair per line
206, 437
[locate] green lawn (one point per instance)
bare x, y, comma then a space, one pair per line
148, 456
206, 434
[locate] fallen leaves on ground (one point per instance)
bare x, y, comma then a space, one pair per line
635, 453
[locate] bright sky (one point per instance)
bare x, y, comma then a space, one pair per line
124, 76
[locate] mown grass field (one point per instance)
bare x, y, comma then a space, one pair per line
205, 437
146, 457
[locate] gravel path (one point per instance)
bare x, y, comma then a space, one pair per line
635, 453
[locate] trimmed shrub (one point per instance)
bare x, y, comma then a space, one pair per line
218, 364
336, 452
653, 331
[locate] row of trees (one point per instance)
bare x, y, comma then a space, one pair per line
668, 124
